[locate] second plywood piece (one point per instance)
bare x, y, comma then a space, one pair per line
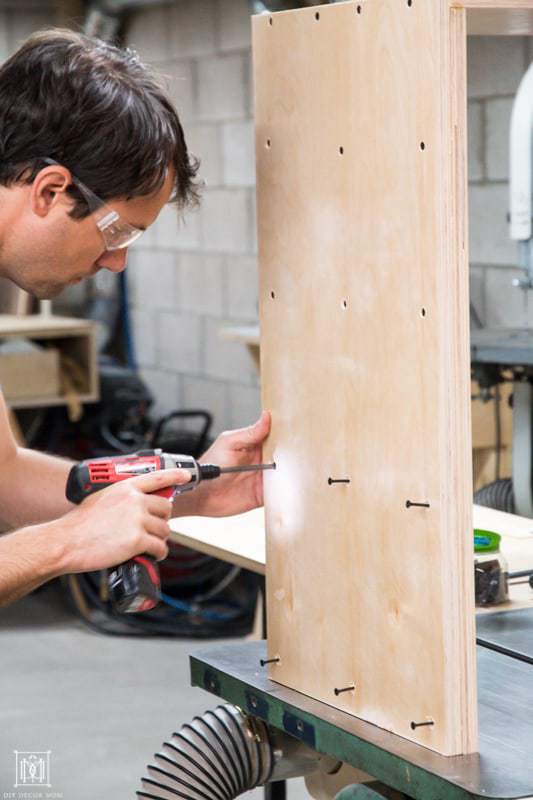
365, 364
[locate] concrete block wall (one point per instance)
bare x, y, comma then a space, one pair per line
496, 65
190, 280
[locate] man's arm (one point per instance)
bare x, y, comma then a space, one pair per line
32, 485
108, 528
29, 558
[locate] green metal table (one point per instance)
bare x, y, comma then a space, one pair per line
503, 768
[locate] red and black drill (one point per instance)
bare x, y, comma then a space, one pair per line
135, 585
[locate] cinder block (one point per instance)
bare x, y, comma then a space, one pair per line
242, 288
154, 274
225, 226
71, 300
498, 122
222, 93
238, 148
209, 395
179, 342
235, 28
489, 230
193, 28
245, 405
178, 78
5, 48
143, 325
105, 284
166, 389
505, 302
475, 141
249, 84
21, 24
179, 232
203, 141
226, 359
477, 293
495, 65
252, 204
201, 283
148, 34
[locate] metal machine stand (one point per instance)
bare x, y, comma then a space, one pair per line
502, 769
493, 352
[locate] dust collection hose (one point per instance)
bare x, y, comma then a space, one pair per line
223, 754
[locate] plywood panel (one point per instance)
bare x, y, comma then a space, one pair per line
360, 112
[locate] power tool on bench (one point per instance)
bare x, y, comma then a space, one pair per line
135, 585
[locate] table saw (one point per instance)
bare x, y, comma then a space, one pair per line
503, 768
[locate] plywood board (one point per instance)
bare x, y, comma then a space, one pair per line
361, 162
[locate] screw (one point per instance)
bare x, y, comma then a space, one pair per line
346, 689
265, 661
253, 702
338, 480
300, 726
415, 725
410, 504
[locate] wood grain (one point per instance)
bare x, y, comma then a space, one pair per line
361, 167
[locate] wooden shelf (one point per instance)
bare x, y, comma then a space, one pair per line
75, 338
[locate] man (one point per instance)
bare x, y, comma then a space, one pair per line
91, 149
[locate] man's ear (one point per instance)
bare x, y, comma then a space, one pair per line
49, 188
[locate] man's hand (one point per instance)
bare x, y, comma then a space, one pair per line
230, 494
117, 523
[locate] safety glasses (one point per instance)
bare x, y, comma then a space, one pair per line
116, 232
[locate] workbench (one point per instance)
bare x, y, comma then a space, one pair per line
240, 540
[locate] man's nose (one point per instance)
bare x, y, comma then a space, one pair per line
114, 260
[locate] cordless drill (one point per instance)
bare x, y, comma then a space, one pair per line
135, 585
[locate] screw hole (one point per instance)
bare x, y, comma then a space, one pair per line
422, 145
317, 15
268, 142
270, 21
273, 295
409, 3
422, 312
341, 151
345, 304
359, 9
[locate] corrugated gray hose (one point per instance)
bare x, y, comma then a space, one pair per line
223, 754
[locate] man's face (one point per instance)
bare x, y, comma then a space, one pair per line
43, 250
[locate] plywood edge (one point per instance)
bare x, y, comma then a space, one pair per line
459, 630
497, 18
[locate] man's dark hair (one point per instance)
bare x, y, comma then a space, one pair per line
97, 110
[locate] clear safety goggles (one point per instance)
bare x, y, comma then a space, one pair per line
116, 232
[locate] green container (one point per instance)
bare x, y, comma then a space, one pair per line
486, 541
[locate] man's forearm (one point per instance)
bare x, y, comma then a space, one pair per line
33, 489
29, 558
32, 485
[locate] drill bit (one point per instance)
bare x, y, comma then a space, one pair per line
247, 468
